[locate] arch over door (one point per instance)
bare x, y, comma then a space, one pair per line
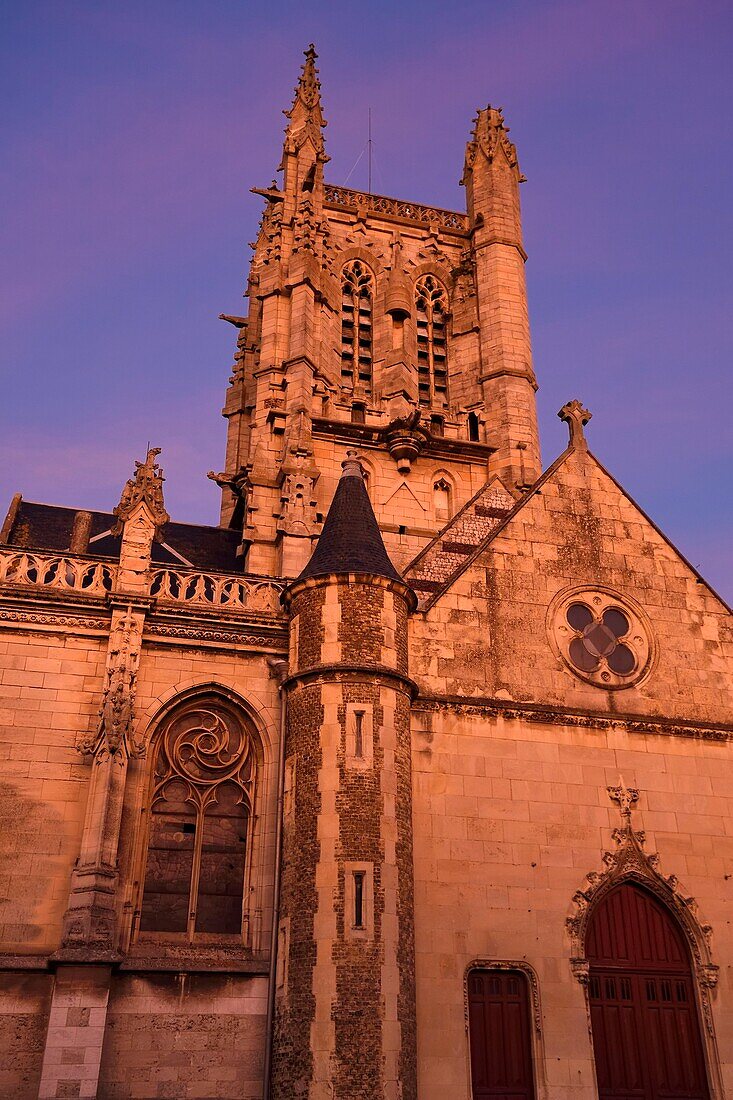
646, 1032
500, 1036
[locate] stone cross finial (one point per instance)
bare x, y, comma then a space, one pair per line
576, 417
624, 797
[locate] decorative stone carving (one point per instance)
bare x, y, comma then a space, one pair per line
405, 439
298, 514
624, 797
489, 137
629, 862
145, 487
576, 417
112, 734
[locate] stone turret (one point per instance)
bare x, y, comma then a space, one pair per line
346, 999
491, 177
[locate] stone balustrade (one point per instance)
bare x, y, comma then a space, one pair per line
58, 571
216, 590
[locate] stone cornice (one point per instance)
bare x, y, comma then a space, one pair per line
487, 706
340, 673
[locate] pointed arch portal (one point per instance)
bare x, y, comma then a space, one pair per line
646, 1032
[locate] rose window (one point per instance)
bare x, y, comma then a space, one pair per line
602, 638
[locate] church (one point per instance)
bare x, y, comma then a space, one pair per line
409, 779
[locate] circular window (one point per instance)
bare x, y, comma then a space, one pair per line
601, 637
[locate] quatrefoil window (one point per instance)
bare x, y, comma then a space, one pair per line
602, 637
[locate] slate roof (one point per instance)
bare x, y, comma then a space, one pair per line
48, 527
350, 541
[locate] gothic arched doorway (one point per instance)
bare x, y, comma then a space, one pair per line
646, 1032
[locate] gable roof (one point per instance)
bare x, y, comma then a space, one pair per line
48, 527
430, 592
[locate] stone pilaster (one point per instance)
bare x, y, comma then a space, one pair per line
89, 941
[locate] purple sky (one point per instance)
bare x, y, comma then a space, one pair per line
132, 132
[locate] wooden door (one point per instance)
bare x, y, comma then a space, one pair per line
646, 1033
500, 1036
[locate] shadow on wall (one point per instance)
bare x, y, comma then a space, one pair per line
31, 864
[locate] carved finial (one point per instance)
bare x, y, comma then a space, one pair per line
306, 115
576, 417
351, 466
624, 797
146, 486
489, 136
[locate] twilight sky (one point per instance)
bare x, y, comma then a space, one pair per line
132, 132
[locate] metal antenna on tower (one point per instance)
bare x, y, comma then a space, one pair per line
369, 152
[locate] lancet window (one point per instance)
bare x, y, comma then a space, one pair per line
431, 303
357, 297
200, 814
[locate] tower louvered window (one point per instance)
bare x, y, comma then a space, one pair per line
432, 346
357, 295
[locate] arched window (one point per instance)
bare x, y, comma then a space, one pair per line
431, 301
200, 813
646, 1033
442, 500
473, 427
357, 295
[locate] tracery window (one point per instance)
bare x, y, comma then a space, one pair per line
602, 636
431, 303
200, 814
357, 296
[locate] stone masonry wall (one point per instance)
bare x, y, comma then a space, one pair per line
509, 819
181, 1036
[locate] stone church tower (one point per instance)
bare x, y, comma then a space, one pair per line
411, 778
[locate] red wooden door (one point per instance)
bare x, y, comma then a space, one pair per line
646, 1033
500, 1036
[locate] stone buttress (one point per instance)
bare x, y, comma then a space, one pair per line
345, 1022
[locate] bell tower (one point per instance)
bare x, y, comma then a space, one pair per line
384, 324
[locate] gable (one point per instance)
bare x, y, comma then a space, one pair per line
577, 530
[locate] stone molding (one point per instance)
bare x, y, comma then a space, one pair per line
507, 964
484, 706
342, 673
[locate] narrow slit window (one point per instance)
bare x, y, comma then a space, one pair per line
473, 427
357, 295
431, 302
359, 877
359, 733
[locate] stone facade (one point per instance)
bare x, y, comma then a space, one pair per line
273, 790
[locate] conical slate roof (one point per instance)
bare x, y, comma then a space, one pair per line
350, 541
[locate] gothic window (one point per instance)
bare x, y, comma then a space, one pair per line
431, 301
442, 500
473, 427
500, 1035
200, 813
357, 296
